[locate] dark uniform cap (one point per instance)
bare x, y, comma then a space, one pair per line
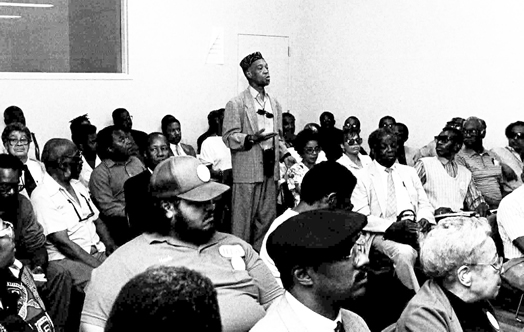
314, 237
248, 60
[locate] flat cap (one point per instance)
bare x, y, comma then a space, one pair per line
249, 59
314, 237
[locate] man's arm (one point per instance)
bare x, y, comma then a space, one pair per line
362, 201
31, 237
233, 135
519, 243
103, 233
85, 327
474, 201
102, 195
70, 249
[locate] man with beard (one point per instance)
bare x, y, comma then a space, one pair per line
183, 234
387, 190
321, 269
136, 189
107, 181
77, 240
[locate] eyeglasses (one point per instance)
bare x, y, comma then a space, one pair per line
471, 132
266, 113
353, 141
8, 187
15, 141
443, 139
80, 219
518, 135
497, 266
356, 255
316, 149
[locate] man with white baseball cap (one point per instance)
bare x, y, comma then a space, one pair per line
182, 233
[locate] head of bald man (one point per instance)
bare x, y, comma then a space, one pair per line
62, 159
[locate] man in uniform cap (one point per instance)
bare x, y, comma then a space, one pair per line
252, 129
321, 268
182, 233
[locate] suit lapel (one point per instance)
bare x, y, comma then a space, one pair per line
249, 106
376, 189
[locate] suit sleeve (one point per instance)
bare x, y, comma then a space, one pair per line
424, 209
233, 135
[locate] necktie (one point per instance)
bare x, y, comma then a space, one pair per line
450, 169
340, 327
391, 200
29, 181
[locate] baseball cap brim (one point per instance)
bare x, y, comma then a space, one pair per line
205, 192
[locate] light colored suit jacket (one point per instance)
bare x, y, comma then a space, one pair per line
240, 120
369, 198
281, 318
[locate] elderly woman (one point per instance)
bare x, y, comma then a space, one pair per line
306, 144
460, 258
352, 159
17, 138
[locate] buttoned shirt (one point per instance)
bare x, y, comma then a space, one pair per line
263, 103
58, 211
486, 171
177, 149
107, 185
473, 196
401, 192
313, 321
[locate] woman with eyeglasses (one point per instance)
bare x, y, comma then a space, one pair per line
306, 145
17, 139
351, 157
461, 260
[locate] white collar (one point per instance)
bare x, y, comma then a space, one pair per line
382, 168
312, 320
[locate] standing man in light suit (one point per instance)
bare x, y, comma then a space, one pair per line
384, 193
252, 129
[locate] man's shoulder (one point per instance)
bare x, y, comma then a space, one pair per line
241, 97
353, 322
273, 320
515, 197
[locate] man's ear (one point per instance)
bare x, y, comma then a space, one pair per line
332, 200
464, 275
302, 276
248, 74
483, 133
168, 208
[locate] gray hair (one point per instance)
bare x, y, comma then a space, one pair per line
481, 122
453, 243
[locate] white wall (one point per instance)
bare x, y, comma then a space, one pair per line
421, 61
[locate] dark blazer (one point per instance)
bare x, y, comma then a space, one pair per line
138, 202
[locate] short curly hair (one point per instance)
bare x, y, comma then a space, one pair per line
15, 126
453, 243
303, 138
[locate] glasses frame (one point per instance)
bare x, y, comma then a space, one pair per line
90, 215
16, 141
499, 262
352, 141
443, 139
312, 150
266, 114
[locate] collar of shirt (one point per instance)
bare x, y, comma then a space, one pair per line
445, 161
255, 93
309, 318
153, 238
110, 163
382, 169
16, 268
471, 152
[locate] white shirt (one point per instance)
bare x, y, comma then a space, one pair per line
85, 173
354, 168
215, 152
263, 250
262, 120
310, 319
401, 192
57, 211
510, 220
177, 149
37, 170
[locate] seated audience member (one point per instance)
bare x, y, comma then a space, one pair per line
21, 308
352, 124
449, 186
138, 139
185, 235
214, 120
511, 155
429, 150
78, 122
330, 136
405, 154
352, 159
14, 114
327, 185
17, 139
386, 121
306, 144
30, 241
510, 220
172, 129
288, 129
69, 218
136, 189
84, 136
166, 298
107, 180
386, 190
484, 165
464, 269
322, 269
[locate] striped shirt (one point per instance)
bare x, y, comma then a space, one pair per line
486, 171
510, 219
